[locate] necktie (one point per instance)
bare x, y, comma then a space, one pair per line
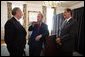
38, 25
38, 28
63, 24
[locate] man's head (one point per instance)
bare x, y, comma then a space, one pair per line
39, 17
67, 13
17, 12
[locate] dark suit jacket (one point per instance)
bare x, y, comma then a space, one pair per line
68, 34
35, 31
15, 34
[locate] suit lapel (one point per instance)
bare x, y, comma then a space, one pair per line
68, 23
17, 24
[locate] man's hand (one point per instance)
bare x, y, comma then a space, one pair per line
58, 41
38, 37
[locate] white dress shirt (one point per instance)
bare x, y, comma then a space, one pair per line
68, 19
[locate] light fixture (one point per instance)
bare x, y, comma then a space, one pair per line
52, 3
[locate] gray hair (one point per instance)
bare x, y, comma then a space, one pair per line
14, 10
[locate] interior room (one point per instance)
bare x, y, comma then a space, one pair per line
52, 16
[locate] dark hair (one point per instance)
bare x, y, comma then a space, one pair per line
14, 10
69, 10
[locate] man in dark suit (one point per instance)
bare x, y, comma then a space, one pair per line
37, 38
65, 40
15, 34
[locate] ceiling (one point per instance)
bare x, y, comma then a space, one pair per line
64, 3
69, 3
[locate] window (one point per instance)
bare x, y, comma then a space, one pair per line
32, 16
49, 20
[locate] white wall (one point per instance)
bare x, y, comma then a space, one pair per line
61, 9
34, 7
3, 17
78, 5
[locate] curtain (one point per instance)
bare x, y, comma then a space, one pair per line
78, 14
24, 17
44, 13
53, 32
57, 21
54, 10
25, 24
9, 8
50, 49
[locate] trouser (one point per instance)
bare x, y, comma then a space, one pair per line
64, 53
34, 51
16, 51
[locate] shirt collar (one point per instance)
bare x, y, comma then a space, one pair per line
68, 19
16, 18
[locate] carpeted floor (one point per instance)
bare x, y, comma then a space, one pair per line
4, 51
